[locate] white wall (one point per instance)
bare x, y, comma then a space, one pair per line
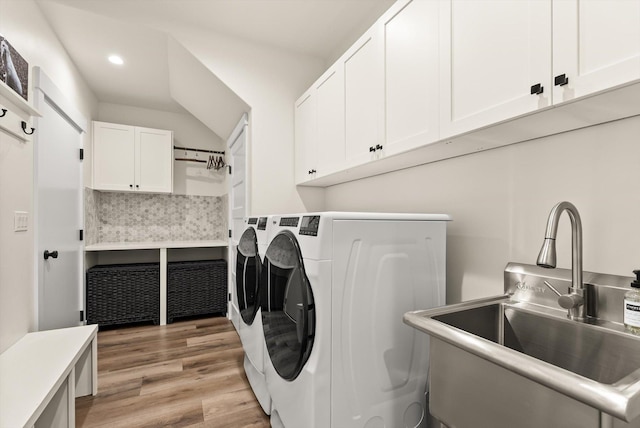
22, 23
269, 81
189, 178
500, 201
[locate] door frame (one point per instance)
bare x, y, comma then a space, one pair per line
240, 128
46, 91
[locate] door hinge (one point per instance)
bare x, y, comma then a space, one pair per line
81, 315
230, 233
229, 169
81, 234
81, 154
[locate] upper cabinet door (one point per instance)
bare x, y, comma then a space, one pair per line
596, 45
305, 137
411, 31
492, 54
154, 163
329, 92
364, 97
113, 156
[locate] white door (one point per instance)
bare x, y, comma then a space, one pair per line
238, 205
59, 209
492, 53
596, 45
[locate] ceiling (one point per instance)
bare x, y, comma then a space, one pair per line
137, 29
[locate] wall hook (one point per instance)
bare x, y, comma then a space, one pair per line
4, 112
24, 128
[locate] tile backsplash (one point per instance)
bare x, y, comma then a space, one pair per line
138, 217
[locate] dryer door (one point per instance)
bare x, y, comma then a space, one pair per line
248, 275
288, 312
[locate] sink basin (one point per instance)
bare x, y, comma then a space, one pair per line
499, 362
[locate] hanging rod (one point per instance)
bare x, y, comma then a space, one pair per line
198, 150
191, 160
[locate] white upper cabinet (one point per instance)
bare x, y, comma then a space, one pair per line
411, 34
128, 158
330, 152
154, 160
319, 128
492, 53
305, 137
596, 45
364, 97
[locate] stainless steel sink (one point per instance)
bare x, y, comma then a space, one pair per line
516, 361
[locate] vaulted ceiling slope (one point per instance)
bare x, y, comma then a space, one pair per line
140, 30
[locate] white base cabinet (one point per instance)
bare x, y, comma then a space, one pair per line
132, 158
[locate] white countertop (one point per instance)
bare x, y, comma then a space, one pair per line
109, 246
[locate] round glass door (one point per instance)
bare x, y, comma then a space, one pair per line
248, 275
288, 311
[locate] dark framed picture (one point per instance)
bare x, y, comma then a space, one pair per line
14, 70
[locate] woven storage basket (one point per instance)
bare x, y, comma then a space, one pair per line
122, 294
196, 288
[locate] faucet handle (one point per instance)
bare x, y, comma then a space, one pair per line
567, 301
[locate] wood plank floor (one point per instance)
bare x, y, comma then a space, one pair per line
186, 374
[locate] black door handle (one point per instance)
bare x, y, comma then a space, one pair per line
52, 254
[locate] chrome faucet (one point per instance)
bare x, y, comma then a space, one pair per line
574, 300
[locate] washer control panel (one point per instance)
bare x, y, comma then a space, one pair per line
309, 225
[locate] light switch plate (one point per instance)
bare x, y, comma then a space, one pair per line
20, 221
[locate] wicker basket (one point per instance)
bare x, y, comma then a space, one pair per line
123, 294
196, 288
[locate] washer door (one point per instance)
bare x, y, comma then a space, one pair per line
248, 275
288, 312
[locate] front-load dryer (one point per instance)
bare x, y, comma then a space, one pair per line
249, 254
335, 288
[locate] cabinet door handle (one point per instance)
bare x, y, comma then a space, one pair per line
378, 147
372, 149
537, 89
561, 80
137, 186
131, 186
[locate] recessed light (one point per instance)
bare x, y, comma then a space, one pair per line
115, 59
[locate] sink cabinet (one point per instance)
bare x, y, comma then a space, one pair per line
132, 158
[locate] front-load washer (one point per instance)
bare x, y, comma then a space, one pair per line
249, 254
335, 288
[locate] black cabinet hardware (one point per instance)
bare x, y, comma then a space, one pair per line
561, 80
537, 89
